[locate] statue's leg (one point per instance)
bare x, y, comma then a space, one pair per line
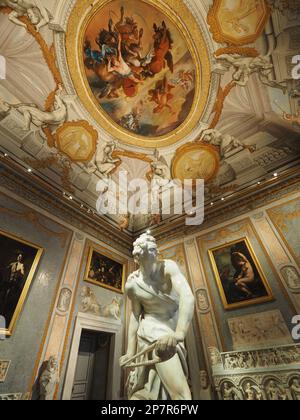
27, 120
173, 378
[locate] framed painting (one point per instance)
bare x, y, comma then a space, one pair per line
239, 275
104, 270
18, 263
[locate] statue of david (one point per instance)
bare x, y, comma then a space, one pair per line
162, 311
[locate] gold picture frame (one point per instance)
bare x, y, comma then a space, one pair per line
179, 14
236, 294
15, 282
105, 269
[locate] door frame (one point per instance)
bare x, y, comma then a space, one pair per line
98, 324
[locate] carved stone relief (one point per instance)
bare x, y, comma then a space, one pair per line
259, 330
64, 300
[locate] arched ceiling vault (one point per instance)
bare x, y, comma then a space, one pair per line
196, 89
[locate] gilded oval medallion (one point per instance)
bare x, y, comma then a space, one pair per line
137, 68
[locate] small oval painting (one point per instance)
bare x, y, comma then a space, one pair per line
139, 68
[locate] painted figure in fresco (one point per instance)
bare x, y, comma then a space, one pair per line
162, 310
292, 118
245, 274
38, 15
162, 95
118, 62
13, 286
236, 15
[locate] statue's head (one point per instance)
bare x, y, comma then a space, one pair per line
34, 15
145, 249
52, 363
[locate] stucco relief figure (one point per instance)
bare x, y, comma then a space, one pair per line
275, 392
252, 392
225, 142
295, 389
113, 310
33, 115
244, 67
89, 301
162, 310
160, 170
230, 393
49, 379
38, 15
64, 300
104, 160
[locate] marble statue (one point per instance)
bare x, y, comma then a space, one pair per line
33, 115
49, 379
162, 310
38, 15
244, 67
225, 142
295, 389
104, 160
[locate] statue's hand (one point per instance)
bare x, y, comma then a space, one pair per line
124, 359
166, 347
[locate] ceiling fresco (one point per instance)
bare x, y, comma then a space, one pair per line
165, 90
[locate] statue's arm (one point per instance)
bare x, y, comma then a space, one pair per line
134, 322
186, 302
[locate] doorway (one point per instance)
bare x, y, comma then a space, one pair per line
91, 381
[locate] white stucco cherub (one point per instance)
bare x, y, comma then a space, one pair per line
38, 15
244, 67
225, 142
104, 160
33, 115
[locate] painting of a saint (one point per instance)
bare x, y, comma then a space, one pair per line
104, 271
18, 262
240, 278
139, 68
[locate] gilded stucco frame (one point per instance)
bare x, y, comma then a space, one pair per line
9, 331
183, 19
227, 306
103, 251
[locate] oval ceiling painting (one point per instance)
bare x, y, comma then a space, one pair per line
142, 69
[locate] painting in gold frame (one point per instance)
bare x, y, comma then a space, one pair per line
105, 270
125, 116
18, 263
239, 275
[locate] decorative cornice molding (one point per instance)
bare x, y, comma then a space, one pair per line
237, 206
50, 200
